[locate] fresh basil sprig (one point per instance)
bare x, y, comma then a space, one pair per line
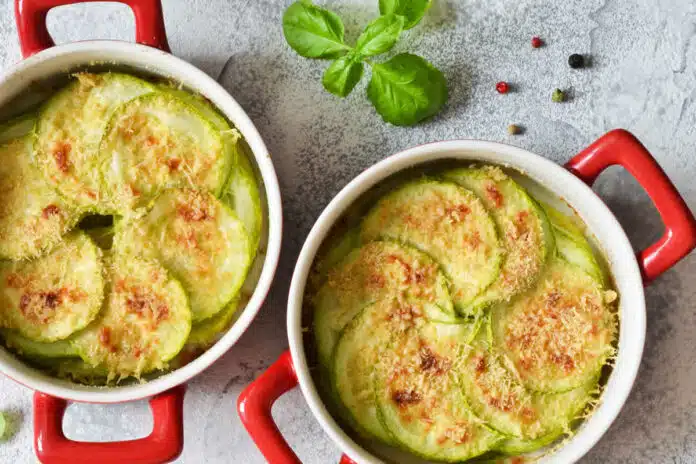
404, 90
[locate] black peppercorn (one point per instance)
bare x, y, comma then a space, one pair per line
576, 61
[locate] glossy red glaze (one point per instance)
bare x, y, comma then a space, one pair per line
163, 445
254, 407
620, 147
34, 37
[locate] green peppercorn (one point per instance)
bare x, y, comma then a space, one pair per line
558, 96
514, 129
576, 61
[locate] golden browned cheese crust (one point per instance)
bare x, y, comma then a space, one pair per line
144, 322
559, 334
450, 224
33, 217
52, 297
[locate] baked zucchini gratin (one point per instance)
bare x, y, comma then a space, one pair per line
455, 316
130, 220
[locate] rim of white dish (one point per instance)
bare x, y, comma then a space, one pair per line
59, 59
600, 221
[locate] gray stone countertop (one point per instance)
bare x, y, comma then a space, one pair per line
642, 78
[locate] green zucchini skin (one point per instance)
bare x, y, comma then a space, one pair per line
449, 223
357, 352
517, 446
17, 128
52, 297
199, 239
81, 372
205, 333
31, 349
242, 193
33, 217
523, 227
572, 245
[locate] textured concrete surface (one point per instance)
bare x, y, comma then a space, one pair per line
643, 78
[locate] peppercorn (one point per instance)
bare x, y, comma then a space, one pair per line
537, 42
502, 87
558, 96
576, 61
514, 129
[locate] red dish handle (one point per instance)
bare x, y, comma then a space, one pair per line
620, 147
34, 37
254, 407
163, 445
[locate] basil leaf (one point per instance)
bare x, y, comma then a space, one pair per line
313, 32
412, 10
406, 89
342, 75
380, 35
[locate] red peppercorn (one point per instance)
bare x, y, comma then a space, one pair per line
502, 87
537, 42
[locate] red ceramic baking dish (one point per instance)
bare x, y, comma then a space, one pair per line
569, 184
45, 62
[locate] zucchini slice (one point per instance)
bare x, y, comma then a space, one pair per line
31, 349
357, 351
17, 128
243, 195
334, 249
199, 239
557, 336
572, 245
241, 191
52, 297
155, 142
204, 334
144, 323
79, 371
496, 396
70, 128
449, 223
33, 217
516, 446
377, 270
569, 225
526, 233
420, 401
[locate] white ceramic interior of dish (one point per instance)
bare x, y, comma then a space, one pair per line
57, 62
600, 222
